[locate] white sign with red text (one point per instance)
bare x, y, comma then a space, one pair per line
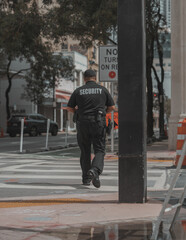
108, 63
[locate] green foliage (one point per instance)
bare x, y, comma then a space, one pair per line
23, 37
45, 75
2, 61
18, 35
84, 20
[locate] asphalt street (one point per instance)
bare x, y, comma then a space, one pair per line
58, 172
41, 174
37, 144
12, 144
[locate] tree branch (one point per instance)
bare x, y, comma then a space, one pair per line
22, 70
8, 67
155, 73
160, 55
112, 41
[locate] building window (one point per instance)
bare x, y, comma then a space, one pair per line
64, 46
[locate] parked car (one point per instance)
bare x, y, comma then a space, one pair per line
34, 124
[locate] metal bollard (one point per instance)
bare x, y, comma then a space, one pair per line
112, 132
21, 136
66, 134
48, 128
112, 120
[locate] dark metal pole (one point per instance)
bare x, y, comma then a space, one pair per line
132, 101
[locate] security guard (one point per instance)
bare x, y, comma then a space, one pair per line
91, 102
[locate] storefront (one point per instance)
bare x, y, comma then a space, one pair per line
62, 116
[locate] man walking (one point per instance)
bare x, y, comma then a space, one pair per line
91, 103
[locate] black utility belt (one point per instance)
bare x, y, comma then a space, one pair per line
90, 117
87, 118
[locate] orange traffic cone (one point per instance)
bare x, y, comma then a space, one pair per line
2, 133
181, 134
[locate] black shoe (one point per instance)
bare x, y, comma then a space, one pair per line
87, 182
95, 178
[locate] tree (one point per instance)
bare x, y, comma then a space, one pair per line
149, 62
22, 38
2, 60
160, 39
45, 75
155, 22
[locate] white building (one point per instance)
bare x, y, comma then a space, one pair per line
51, 109
16, 102
66, 87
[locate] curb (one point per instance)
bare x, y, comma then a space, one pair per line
50, 148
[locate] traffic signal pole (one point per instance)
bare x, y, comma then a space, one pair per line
132, 101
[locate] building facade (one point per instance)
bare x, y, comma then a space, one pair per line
16, 102
165, 6
52, 107
178, 59
56, 108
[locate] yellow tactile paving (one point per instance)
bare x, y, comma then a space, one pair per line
160, 160
32, 203
149, 159
111, 158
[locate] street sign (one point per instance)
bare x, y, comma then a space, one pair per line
108, 63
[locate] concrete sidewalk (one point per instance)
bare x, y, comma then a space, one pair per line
29, 217
72, 209
160, 151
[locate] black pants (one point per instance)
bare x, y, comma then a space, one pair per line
91, 132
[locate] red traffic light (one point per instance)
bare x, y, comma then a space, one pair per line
155, 94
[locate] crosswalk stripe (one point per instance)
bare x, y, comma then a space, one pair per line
51, 171
103, 188
8, 175
32, 168
36, 187
36, 176
63, 170
74, 163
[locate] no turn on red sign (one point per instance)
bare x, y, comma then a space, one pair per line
108, 63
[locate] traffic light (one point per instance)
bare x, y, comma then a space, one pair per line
155, 100
155, 94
